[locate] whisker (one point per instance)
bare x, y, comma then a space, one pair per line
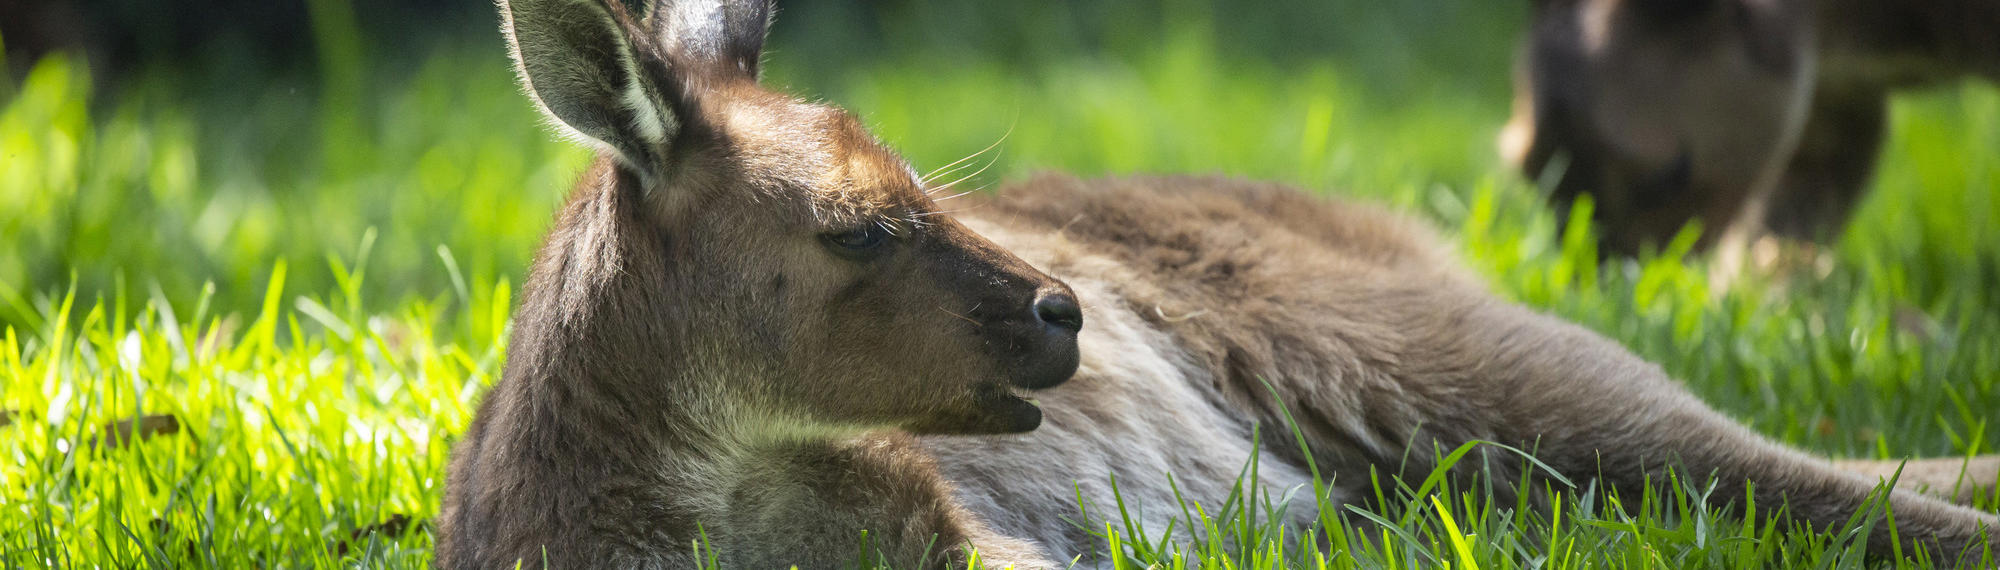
949, 168
982, 170
1176, 319
962, 317
927, 178
960, 194
955, 170
949, 212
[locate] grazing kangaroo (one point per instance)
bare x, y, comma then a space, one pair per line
1751, 115
753, 329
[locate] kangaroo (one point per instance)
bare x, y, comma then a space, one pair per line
753, 334
1753, 116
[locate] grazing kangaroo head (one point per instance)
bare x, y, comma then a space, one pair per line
741, 251
1664, 110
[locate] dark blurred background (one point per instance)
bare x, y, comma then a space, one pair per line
123, 35
213, 138
268, 36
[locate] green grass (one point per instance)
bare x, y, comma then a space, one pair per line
311, 276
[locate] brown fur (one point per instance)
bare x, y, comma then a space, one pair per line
1748, 115
704, 366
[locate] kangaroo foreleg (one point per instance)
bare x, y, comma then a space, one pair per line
806, 505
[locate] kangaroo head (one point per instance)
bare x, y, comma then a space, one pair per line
1664, 110
763, 254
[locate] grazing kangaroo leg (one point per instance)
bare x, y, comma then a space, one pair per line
1832, 166
1823, 181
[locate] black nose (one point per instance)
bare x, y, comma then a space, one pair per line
1059, 310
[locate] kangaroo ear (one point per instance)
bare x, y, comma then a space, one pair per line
716, 36
578, 61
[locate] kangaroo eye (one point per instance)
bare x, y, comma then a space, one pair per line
857, 241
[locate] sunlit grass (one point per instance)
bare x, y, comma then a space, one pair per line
317, 297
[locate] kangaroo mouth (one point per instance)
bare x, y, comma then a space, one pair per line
1022, 394
1055, 365
1043, 382
997, 408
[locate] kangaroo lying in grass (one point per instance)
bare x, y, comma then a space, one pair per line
1751, 115
753, 328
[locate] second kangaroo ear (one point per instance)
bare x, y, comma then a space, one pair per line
721, 36
578, 61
